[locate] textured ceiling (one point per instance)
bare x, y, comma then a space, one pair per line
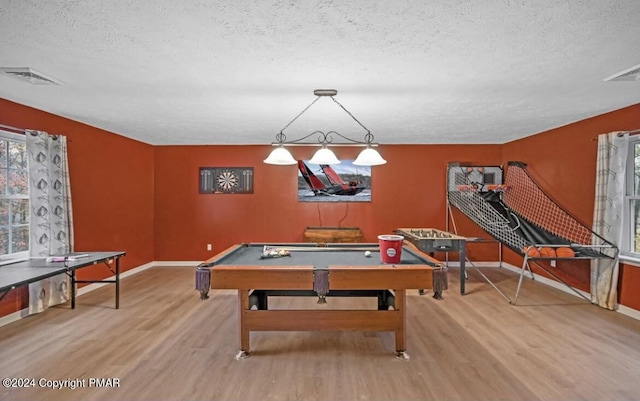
237, 71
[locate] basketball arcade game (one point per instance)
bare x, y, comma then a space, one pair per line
523, 217
474, 179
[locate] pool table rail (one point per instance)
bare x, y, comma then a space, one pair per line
262, 277
340, 277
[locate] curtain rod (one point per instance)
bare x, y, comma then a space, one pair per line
21, 130
24, 131
623, 133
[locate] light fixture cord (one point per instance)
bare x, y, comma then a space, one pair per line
369, 136
281, 137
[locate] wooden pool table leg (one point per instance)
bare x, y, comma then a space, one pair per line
401, 306
243, 305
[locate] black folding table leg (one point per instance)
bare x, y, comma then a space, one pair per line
73, 289
117, 283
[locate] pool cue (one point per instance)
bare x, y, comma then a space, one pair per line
325, 248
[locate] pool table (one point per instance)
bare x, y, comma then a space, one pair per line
334, 270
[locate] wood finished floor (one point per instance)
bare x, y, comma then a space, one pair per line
166, 344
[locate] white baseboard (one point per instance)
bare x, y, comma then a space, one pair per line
170, 263
544, 280
130, 272
541, 279
625, 310
478, 264
13, 317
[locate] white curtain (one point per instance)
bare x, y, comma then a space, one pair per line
51, 223
607, 214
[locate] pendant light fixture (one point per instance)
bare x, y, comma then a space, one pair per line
368, 157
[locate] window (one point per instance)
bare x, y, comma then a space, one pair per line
14, 197
631, 236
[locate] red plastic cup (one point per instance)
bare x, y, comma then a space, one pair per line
390, 248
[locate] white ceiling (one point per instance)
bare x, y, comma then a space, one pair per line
237, 71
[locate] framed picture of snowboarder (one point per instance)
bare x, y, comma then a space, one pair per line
344, 182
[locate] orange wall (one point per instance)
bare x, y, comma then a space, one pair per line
563, 162
408, 191
144, 199
111, 188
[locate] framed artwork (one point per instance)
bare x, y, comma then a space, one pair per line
342, 182
226, 180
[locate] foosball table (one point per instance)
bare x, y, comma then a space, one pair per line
430, 240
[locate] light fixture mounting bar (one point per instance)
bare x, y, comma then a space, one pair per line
325, 92
324, 138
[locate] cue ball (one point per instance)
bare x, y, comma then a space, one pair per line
367, 254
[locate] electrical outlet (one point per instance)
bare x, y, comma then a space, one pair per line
208, 247
553, 263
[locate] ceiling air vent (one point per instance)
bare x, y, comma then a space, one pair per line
630, 74
30, 75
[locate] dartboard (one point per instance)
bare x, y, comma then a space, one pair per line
227, 180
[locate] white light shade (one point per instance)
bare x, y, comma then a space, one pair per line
324, 156
280, 156
369, 157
